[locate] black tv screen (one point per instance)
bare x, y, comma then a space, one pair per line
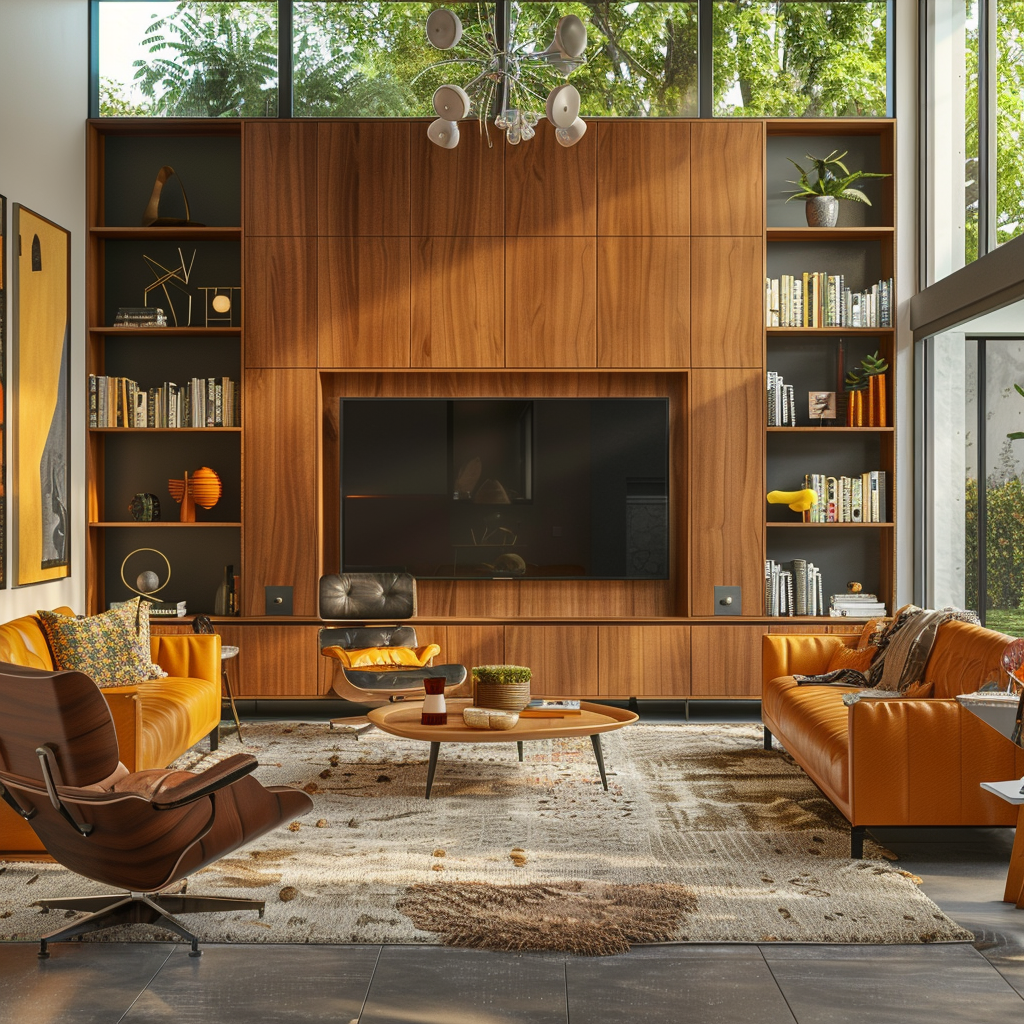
556, 488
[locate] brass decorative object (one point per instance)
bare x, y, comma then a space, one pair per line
147, 583
177, 278
204, 488
219, 305
152, 219
144, 508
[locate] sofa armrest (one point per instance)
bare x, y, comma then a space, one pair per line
921, 762
126, 710
191, 655
788, 654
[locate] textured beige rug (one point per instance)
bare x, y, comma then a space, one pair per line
703, 837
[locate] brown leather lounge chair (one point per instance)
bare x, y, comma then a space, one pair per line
141, 831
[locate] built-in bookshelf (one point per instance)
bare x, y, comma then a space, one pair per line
814, 336
163, 400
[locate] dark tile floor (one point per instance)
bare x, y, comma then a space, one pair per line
961, 869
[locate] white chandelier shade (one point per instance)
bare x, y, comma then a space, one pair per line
510, 77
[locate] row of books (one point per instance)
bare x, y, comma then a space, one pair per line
781, 401
792, 588
847, 499
866, 606
817, 299
201, 402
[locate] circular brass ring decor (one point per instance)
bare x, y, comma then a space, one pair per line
147, 583
502, 687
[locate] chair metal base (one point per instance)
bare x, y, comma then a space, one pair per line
356, 725
113, 909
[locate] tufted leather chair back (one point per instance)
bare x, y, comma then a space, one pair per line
355, 638
367, 595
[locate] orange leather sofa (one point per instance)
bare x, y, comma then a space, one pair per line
156, 720
894, 761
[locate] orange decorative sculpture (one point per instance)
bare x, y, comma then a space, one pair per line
203, 488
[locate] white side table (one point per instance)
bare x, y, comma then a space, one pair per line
228, 651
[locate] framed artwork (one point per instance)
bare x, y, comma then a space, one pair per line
3, 391
41, 395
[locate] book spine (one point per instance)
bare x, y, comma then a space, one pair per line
93, 401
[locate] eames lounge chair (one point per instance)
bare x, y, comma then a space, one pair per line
141, 831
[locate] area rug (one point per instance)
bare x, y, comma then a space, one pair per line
703, 836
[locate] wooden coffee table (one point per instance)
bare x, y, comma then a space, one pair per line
404, 720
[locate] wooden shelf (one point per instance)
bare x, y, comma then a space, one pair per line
165, 430
830, 526
830, 234
161, 525
831, 430
178, 332
168, 234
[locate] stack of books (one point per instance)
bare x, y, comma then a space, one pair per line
781, 401
865, 606
543, 707
792, 588
140, 316
163, 609
847, 499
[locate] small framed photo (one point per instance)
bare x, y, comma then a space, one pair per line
821, 405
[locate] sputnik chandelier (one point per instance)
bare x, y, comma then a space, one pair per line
511, 77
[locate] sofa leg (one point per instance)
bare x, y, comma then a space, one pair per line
767, 738
857, 841
214, 738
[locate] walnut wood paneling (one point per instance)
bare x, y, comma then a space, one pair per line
279, 488
457, 191
562, 659
550, 190
643, 177
363, 301
726, 486
273, 661
726, 301
280, 177
363, 178
458, 309
725, 661
513, 599
727, 178
643, 302
551, 302
280, 301
644, 661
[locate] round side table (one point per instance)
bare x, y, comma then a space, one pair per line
228, 651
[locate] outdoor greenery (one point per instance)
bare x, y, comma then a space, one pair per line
362, 58
1004, 549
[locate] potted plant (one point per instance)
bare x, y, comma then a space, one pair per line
833, 182
502, 687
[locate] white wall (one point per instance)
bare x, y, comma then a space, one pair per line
44, 88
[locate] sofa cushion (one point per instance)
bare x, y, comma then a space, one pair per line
176, 713
814, 722
370, 657
105, 647
23, 642
964, 658
850, 657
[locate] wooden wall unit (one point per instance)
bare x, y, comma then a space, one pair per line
376, 264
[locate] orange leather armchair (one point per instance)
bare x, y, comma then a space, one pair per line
140, 831
898, 761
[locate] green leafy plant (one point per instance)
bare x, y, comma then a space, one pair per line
828, 181
870, 366
1017, 434
504, 674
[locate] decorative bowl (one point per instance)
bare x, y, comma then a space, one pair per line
489, 718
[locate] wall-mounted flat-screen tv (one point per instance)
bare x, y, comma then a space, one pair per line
478, 488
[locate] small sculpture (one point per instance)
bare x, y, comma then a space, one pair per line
854, 587
798, 501
203, 489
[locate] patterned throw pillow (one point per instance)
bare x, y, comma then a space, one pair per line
105, 647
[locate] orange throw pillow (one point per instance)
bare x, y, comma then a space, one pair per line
848, 657
377, 657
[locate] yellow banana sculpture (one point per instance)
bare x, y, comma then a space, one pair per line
798, 501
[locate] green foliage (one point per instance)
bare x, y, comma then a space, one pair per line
827, 182
114, 104
503, 674
870, 366
1004, 545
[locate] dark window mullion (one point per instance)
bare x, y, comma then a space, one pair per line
986, 124
705, 63
285, 58
982, 404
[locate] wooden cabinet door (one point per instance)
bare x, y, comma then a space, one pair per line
363, 177
643, 177
726, 492
644, 661
727, 178
279, 546
726, 301
458, 309
550, 190
725, 661
280, 177
562, 659
273, 661
363, 302
643, 302
550, 302
280, 302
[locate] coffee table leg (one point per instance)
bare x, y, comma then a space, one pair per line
599, 754
431, 766
519, 744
